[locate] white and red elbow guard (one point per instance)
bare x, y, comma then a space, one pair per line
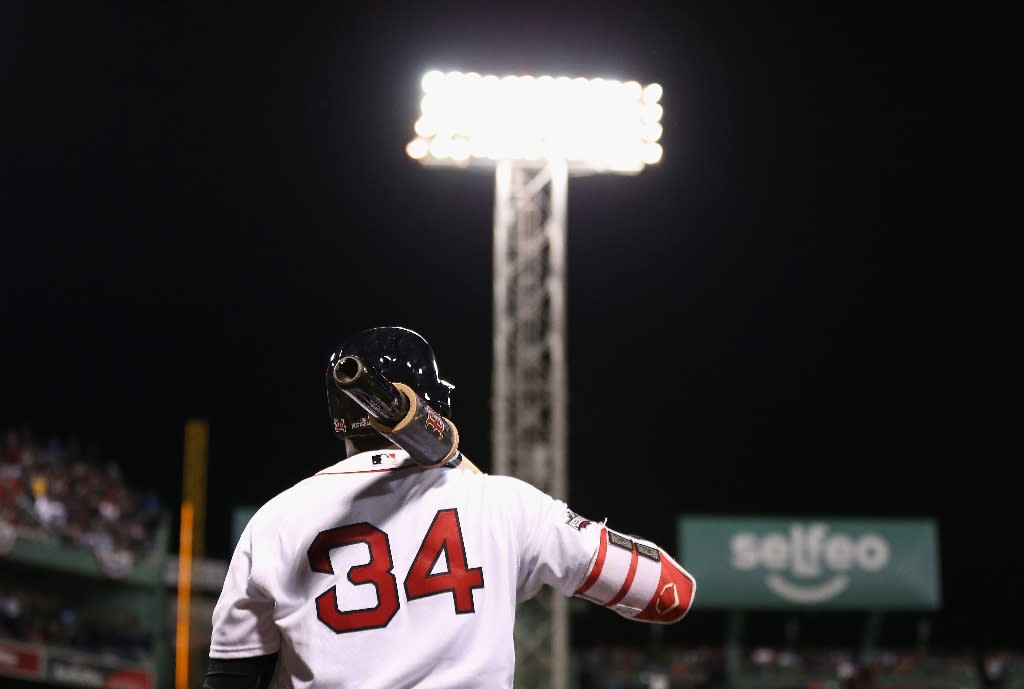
637, 580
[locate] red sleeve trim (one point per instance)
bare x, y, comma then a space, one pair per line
598, 565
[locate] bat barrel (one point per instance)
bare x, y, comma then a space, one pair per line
347, 370
370, 390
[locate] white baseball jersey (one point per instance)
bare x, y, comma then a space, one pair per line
378, 573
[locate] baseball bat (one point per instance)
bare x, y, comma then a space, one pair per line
400, 414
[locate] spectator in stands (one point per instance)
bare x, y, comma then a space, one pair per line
53, 491
13, 621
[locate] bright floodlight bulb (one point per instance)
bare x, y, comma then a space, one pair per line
593, 124
652, 93
417, 149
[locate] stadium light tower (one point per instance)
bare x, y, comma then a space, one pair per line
534, 132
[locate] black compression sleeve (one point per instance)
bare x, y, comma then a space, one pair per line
240, 673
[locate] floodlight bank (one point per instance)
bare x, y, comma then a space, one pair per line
593, 124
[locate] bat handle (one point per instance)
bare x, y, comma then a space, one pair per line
469, 465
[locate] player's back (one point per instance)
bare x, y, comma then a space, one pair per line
384, 574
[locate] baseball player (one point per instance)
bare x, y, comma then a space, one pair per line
382, 572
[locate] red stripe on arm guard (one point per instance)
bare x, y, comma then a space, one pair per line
595, 570
627, 583
673, 596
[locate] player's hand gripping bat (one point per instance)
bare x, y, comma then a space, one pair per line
397, 412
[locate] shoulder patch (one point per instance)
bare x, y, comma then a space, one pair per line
576, 521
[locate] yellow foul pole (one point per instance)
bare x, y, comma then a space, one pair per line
190, 538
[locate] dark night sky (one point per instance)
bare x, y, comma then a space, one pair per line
797, 312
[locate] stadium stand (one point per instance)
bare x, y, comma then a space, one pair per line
82, 557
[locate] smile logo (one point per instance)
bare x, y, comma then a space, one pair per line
808, 564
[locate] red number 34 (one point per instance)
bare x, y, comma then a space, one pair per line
444, 535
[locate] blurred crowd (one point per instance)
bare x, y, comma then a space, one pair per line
805, 668
32, 616
53, 490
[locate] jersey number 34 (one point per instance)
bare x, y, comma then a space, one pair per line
443, 535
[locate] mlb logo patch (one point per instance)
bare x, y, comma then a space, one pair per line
384, 458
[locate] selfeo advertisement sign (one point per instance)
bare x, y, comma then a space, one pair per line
810, 562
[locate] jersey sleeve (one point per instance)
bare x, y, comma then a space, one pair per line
554, 550
243, 623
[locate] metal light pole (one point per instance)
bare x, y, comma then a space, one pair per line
535, 132
530, 386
